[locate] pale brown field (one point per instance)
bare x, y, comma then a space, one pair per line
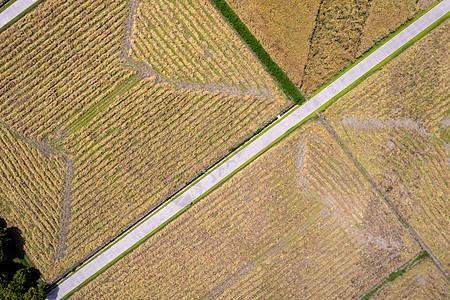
397, 125
31, 183
123, 135
300, 220
423, 281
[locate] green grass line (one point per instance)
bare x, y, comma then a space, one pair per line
277, 73
20, 15
376, 47
100, 105
8, 4
394, 275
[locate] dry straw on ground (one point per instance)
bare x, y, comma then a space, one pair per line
300, 220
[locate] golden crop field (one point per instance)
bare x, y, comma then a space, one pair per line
397, 125
123, 132
423, 281
313, 40
300, 220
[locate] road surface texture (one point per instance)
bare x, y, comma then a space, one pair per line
14, 10
192, 192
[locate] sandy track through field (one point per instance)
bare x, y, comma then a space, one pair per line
257, 145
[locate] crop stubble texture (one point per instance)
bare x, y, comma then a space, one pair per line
397, 125
131, 137
300, 220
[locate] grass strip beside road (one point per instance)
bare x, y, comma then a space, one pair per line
8, 4
382, 63
19, 15
277, 73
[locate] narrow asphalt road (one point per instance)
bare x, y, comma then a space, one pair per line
14, 10
194, 191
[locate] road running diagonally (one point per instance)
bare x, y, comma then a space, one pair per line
241, 157
14, 10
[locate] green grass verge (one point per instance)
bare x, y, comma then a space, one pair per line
20, 15
286, 84
394, 275
376, 47
7, 5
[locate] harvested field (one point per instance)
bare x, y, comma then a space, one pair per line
396, 124
124, 134
423, 281
313, 40
301, 219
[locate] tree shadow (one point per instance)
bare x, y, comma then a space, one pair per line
18, 240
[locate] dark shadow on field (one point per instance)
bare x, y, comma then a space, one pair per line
18, 240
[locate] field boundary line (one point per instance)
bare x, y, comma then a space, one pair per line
239, 159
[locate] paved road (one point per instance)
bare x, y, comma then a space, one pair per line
14, 10
257, 145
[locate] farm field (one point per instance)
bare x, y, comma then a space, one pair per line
422, 281
396, 123
300, 219
313, 40
99, 99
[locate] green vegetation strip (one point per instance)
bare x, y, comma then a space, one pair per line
8, 4
287, 85
20, 15
376, 47
396, 274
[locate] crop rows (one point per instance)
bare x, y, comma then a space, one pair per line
299, 220
147, 143
30, 195
395, 124
188, 41
125, 138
